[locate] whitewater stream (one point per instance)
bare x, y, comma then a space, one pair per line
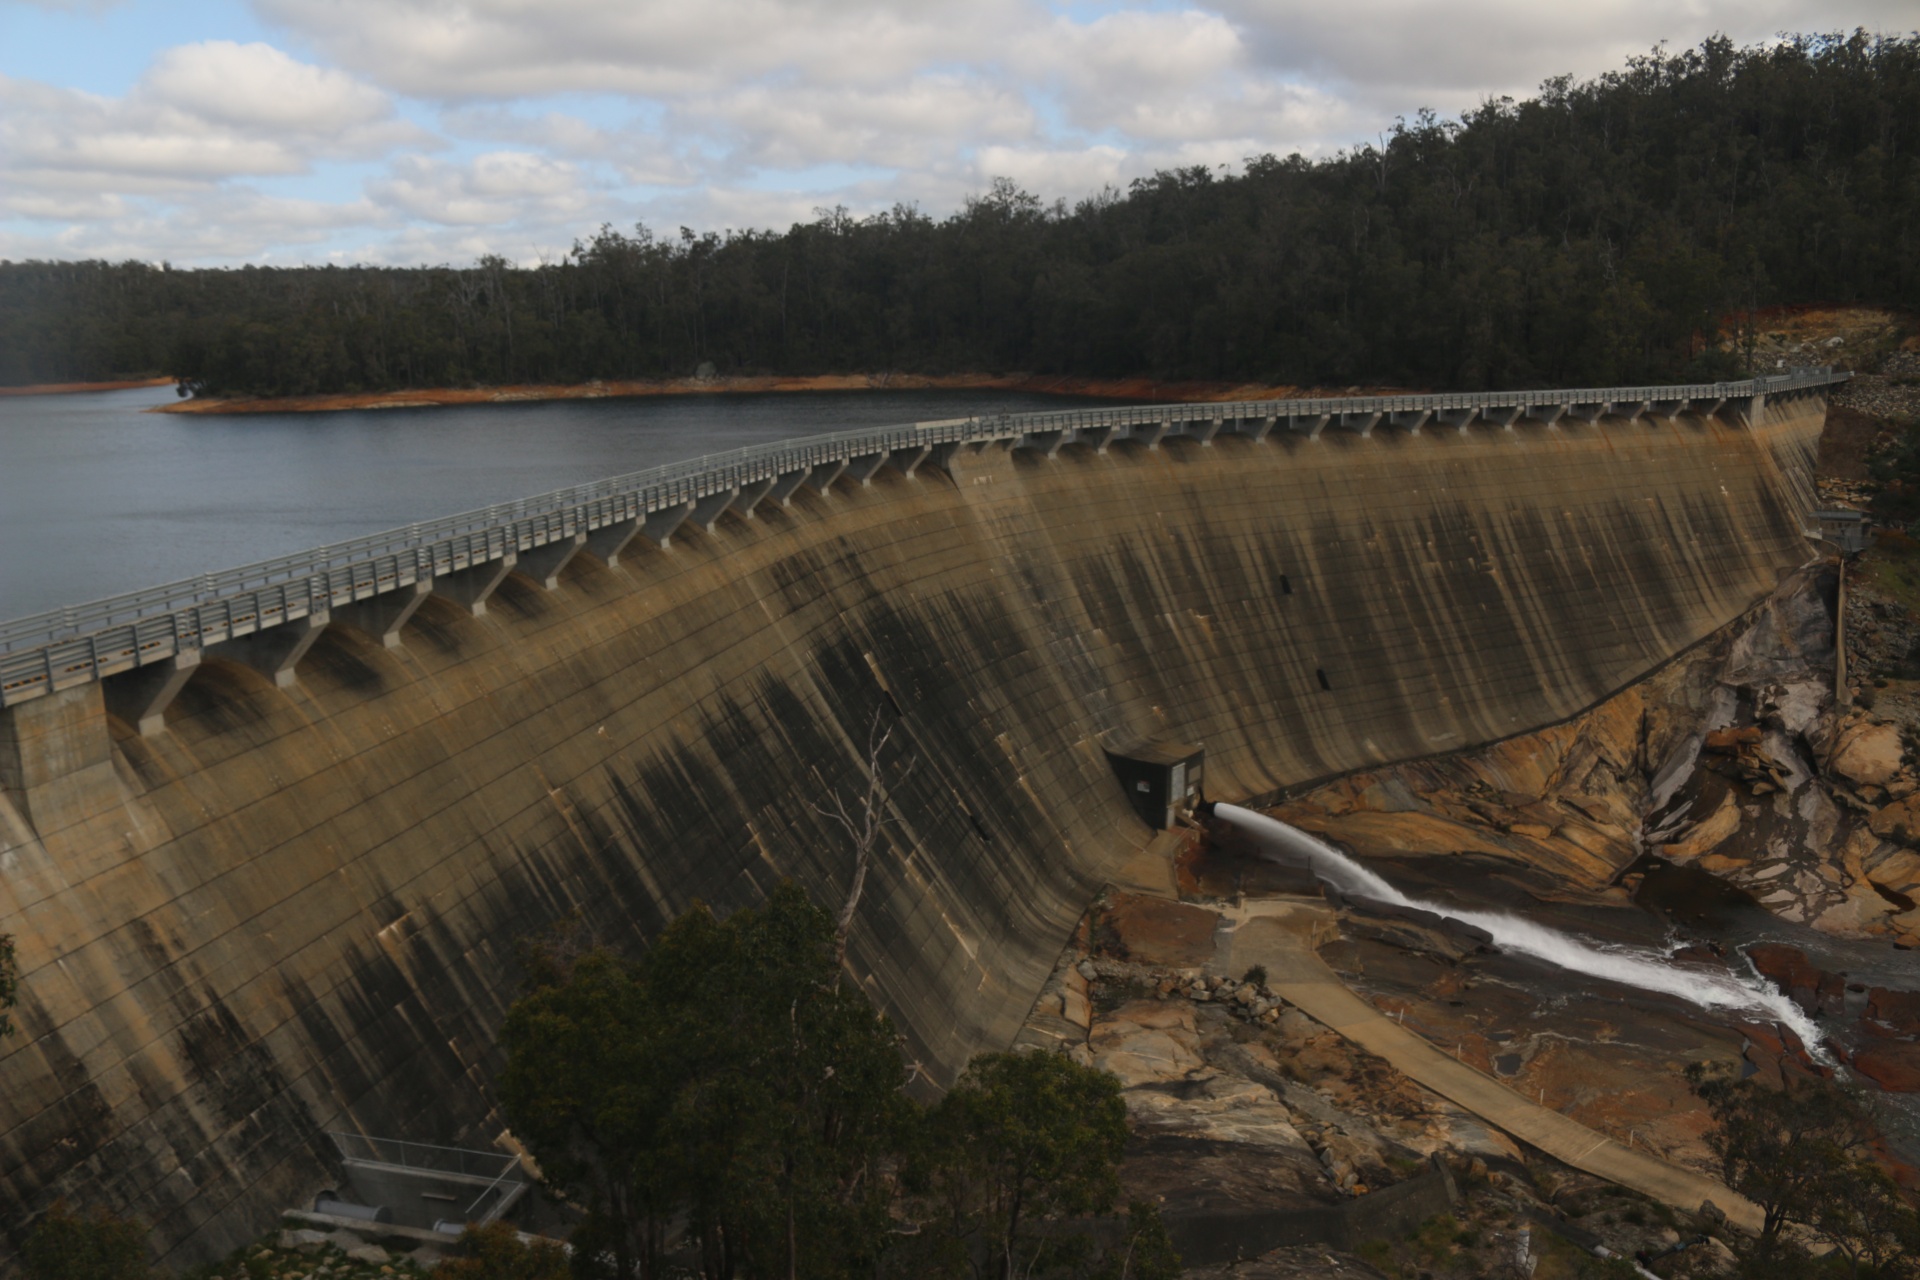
1647, 969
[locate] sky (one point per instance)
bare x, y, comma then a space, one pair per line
222, 132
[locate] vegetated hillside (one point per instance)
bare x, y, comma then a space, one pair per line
1597, 233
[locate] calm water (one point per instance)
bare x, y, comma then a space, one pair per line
97, 497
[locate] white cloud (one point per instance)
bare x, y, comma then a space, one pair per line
899, 126
201, 114
1408, 54
215, 225
748, 113
495, 188
499, 49
256, 88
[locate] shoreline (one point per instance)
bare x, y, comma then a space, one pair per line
1127, 389
76, 388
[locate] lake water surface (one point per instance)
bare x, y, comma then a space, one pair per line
98, 497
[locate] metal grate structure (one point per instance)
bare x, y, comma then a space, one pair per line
425, 1185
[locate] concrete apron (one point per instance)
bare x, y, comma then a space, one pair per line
1280, 936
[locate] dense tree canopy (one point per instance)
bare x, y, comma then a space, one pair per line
730, 1101
729, 1079
1600, 232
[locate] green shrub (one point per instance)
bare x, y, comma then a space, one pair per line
90, 1246
496, 1252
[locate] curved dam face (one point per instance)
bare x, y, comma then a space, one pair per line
294, 910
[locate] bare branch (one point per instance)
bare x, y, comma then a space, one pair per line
863, 827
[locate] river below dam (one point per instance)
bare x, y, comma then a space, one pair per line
98, 496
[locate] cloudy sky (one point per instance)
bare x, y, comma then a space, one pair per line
226, 131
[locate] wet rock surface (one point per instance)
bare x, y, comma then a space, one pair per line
1240, 1102
1728, 797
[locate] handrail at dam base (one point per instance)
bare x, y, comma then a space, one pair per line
146, 645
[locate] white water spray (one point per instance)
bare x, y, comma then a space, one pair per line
1632, 966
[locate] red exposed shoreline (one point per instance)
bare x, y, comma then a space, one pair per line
74, 388
1131, 389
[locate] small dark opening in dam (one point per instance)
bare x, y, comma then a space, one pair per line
1320, 674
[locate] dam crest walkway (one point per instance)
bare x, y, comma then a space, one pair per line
144, 646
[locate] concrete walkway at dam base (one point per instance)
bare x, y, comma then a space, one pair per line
1279, 935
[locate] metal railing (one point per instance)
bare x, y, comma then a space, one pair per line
83, 642
492, 1171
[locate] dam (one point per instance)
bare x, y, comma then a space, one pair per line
267, 837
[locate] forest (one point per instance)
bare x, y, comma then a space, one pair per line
1617, 230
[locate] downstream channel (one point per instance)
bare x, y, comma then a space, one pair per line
98, 496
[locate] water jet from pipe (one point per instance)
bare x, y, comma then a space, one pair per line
1631, 966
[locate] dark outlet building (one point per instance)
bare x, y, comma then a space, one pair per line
1161, 779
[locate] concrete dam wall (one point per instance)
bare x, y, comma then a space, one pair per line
290, 906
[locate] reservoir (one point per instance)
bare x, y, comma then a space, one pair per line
98, 497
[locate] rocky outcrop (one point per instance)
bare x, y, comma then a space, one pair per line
1820, 993
1733, 760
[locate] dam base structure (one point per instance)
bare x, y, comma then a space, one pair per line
266, 839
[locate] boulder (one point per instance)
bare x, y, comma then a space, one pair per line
303, 1241
1869, 753
1806, 984
1706, 834
1729, 741
371, 1254
1898, 869
1898, 1011
1898, 822
1894, 1066
1145, 1041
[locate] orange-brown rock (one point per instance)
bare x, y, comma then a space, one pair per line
1159, 932
1707, 834
1869, 752
1728, 741
1144, 1041
1895, 1011
1893, 1065
1899, 822
1809, 986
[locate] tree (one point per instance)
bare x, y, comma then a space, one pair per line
1865, 1218
1023, 1142
1801, 1153
590, 1084
1780, 1147
1896, 473
1603, 230
9, 983
730, 1075
1144, 1251
91, 1246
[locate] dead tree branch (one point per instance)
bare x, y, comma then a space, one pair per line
863, 822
